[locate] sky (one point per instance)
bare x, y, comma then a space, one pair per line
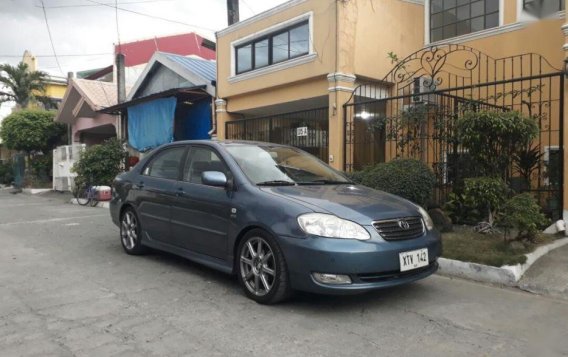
84, 31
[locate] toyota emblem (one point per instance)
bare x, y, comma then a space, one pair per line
403, 224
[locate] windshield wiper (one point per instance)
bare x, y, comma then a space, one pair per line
276, 183
325, 182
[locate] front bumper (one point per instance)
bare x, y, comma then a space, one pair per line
371, 264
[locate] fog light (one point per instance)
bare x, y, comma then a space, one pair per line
334, 279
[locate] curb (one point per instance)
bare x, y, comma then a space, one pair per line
508, 275
102, 204
35, 191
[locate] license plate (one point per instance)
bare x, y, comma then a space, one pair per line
413, 259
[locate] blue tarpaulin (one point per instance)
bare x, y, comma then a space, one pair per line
197, 121
151, 124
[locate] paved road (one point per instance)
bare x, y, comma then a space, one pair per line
66, 288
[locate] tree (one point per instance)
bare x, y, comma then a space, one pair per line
493, 139
31, 131
22, 85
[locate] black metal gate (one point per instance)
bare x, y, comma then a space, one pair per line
412, 114
307, 130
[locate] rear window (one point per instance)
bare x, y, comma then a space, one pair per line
166, 164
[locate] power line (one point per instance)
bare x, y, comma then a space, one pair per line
50, 38
250, 8
65, 55
151, 16
91, 5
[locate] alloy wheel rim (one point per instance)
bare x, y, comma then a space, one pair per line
258, 266
128, 230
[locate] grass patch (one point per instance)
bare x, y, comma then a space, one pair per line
465, 245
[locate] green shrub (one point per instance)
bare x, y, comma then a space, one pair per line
485, 193
411, 179
523, 214
6, 173
494, 138
357, 176
461, 211
41, 166
99, 164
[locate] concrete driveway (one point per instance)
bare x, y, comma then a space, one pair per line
67, 289
549, 275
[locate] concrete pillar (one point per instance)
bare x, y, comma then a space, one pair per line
221, 117
565, 133
341, 87
342, 82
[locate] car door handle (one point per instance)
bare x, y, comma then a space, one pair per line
180, 192
139, 186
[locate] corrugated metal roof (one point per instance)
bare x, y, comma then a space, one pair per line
203, 68
101, 94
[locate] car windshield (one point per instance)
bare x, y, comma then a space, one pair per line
267, 165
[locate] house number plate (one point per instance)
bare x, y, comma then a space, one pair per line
302, 131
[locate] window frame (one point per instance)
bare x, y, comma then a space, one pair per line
523, 15
270, 37
428, 19
189, 159
159, 153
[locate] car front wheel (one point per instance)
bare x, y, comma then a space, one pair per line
130, 233
262, 268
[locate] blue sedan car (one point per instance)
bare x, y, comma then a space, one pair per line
274, 215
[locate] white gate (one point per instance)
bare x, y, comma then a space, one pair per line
63, 159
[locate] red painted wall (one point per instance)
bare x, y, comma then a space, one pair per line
140, 52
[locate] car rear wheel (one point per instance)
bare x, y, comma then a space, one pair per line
262, 268
130, 235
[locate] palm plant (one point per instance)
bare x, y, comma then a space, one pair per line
526, 161
20, 84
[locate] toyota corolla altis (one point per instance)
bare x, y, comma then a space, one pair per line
274, 215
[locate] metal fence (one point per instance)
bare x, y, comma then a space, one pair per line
415, 117
307, 130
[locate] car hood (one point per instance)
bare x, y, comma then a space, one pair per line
354, 202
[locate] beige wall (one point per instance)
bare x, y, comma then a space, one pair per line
364, 31
544, 38
384, 26
368, 30
323, 45
309, 88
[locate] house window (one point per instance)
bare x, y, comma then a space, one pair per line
280, 46
542, 8
450, 18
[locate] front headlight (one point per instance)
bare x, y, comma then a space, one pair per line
330, 226
426, 217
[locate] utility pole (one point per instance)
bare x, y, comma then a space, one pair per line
232, 11
121, 91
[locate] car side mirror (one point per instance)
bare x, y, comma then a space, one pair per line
214, 178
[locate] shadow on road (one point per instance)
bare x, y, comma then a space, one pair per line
300, 300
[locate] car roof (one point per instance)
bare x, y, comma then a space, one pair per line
225, 142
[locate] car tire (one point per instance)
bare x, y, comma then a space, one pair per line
130, 233
259, 268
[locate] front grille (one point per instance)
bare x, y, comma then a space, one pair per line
393, 229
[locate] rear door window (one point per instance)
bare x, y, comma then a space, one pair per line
166, 164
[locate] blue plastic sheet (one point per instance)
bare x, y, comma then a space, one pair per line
197, 121
151, 124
